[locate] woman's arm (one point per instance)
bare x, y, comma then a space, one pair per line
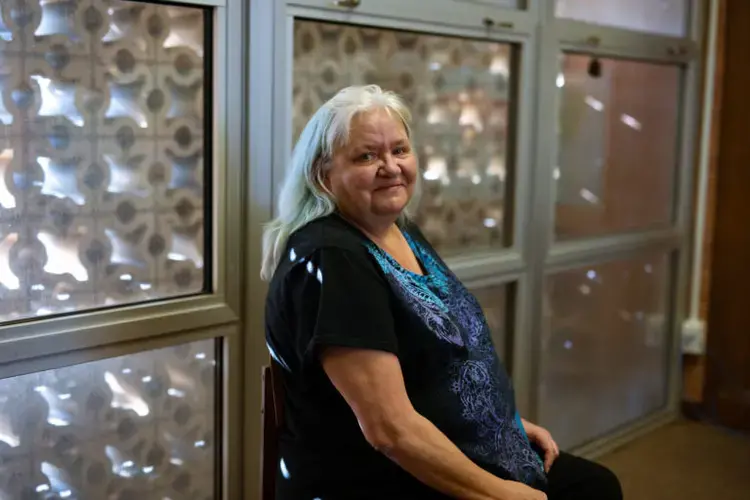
373, 385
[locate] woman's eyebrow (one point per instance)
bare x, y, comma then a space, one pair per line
365, 145
378, 144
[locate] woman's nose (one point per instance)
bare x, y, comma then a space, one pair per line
390, 166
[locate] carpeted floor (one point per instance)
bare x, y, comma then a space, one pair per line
684, 461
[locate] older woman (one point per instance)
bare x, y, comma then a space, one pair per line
393, 387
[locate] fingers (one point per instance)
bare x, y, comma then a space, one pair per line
549, 459
551, 454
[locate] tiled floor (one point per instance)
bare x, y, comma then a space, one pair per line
685, 461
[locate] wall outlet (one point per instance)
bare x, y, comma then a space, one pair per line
694, 336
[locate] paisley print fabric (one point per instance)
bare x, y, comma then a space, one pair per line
477, 377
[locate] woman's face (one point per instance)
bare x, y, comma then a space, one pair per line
372, 177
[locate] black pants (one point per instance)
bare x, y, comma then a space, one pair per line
573, 478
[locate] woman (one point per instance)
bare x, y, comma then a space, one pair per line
393, 388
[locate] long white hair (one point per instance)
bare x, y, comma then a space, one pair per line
304, 197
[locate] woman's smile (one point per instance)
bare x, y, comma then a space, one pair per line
391, 188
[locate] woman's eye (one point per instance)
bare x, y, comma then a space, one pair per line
365, 157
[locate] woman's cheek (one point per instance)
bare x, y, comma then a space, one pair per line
411, 172
354, 179
367, 179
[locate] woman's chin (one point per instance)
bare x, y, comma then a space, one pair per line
390, 203
392, 208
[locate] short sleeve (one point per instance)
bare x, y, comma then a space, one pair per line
345, 302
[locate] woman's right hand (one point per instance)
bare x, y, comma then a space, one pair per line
519, 491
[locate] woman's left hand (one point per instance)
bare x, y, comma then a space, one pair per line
542, 438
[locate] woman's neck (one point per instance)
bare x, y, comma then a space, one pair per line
379, 230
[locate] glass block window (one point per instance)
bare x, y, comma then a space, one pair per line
101, 154
140, 426
459, 93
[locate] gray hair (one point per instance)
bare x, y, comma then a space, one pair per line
304, 197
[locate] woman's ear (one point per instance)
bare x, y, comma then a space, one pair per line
322, 168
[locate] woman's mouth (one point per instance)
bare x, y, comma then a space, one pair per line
391, 187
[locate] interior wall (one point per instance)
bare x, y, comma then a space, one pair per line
727, 384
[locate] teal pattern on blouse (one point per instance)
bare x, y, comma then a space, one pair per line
480, 381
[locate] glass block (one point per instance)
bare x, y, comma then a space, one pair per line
494, 302
101, 154
458, 91
617, 135
138, 426
605, 347
666, 17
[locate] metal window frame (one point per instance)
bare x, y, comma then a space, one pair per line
128, 322
196, 3
547, 256
681, 255
52, 342
260, 150
571, 254
577, 36
440, 14
539, 205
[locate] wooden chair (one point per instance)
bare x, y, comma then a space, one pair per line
272, 409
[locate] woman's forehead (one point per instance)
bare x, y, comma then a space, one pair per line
376, 125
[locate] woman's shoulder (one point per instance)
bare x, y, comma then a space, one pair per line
331, 234
329, 242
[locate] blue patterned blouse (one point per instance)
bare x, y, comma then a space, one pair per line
489, 429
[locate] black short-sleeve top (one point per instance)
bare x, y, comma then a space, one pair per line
334, 287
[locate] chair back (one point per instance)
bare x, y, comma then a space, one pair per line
272, 409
